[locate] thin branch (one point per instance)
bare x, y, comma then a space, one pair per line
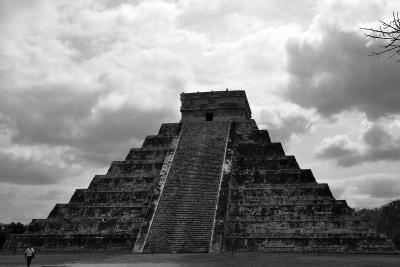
389, 32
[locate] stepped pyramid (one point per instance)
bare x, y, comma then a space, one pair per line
211, 182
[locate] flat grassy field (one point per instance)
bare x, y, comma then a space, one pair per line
225, 259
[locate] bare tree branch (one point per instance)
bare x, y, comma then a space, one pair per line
389, 32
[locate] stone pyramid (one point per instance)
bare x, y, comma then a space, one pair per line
211, 182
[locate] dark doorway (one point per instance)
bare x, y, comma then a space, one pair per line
209, 116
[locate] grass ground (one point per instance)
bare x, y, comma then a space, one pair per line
224, 259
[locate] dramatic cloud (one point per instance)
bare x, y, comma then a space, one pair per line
27, 171
36, 164
377, 141
330, 69
341, 148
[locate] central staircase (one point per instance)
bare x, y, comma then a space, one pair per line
184, 218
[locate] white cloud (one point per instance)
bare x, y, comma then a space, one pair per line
285, 120
368, 190
341, 148
16, 169
377, 141
14, 201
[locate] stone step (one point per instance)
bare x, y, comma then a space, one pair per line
260, 136
298, 205
314, 244
156, 141
265, 211
265, 164
282, 176
88, 219
105, 183
134, 173
246, 131
279, 201
317, 233
256, 150
287, 226
288, 186
91, 197
109, 211
129, 168
71, 242
265, 191
146, 154
82, 226
169, 129
299, 219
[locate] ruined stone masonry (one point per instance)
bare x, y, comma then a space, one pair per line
211, 182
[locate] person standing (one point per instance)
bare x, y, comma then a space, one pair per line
29, 254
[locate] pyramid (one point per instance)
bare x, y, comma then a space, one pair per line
211, 182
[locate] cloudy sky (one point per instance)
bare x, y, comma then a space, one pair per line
83, 81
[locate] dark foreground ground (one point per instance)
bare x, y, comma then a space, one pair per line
224, 259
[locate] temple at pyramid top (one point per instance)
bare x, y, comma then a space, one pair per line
215, 106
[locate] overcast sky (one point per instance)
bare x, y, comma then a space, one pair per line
81, 82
